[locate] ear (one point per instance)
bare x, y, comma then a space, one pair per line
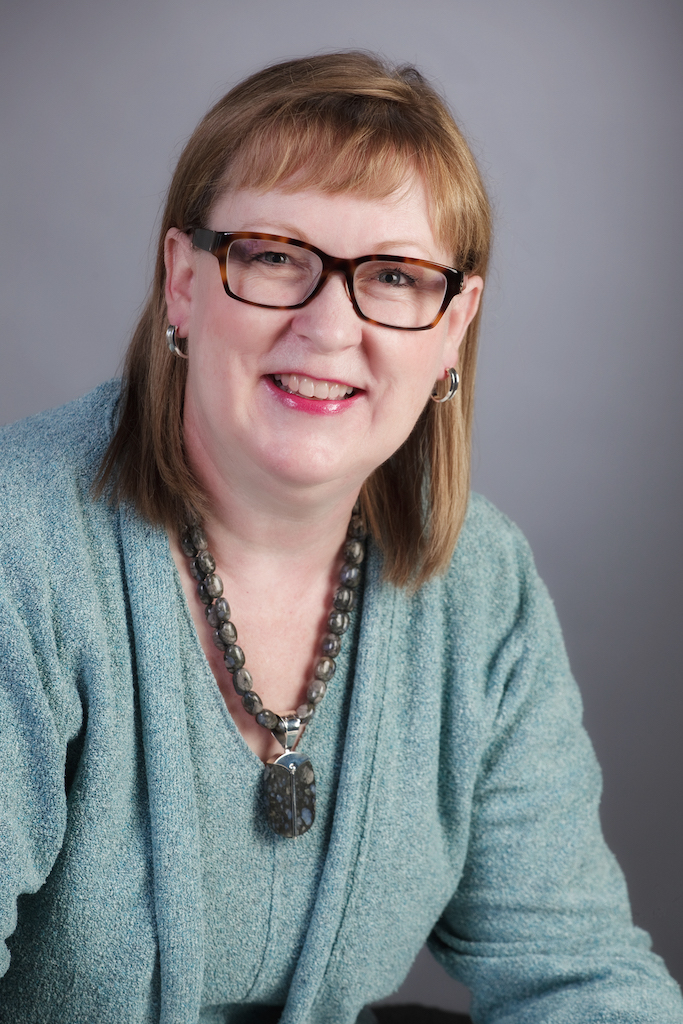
179, 259
460, 313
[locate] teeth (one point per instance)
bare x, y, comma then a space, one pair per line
311, 388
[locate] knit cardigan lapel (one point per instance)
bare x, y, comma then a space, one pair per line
355, 796
170, 781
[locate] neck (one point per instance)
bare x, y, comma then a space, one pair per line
278, 552
267, 526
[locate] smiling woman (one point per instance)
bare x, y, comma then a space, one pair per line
236, 418
343, 130
211, 790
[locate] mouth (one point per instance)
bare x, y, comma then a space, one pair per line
311, 387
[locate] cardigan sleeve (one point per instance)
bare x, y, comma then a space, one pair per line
40, 705
33, 744
540, 928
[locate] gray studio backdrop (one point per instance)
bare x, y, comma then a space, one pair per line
574, 111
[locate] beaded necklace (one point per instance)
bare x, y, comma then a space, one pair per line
289, 780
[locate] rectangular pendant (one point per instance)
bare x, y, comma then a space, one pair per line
290, 794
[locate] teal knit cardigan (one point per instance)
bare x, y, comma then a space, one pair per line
467, 808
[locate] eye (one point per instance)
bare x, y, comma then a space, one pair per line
395, 277
257, 252
274, 258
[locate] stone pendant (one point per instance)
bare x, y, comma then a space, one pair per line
290, 794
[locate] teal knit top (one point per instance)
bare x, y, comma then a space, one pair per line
458, 791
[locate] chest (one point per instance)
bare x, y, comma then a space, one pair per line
248, 872
279, 630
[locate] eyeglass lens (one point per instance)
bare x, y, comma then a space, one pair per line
278, 274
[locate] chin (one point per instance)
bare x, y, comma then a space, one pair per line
312, 469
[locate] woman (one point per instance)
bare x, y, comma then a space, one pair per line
393, 749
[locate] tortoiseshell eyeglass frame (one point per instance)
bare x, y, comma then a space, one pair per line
218, 243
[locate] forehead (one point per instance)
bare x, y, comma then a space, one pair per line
343, 224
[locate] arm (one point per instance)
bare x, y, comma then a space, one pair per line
540, 926
33, 717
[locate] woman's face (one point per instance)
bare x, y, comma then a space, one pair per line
241, 427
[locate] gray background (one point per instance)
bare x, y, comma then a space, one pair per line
574, 111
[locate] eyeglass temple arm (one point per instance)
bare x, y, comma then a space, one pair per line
205, 239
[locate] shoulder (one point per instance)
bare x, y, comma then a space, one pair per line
74, 432
491, 578
490, 541
492, 574
56, 450
50, 525
57, 545
488, 611
491, 598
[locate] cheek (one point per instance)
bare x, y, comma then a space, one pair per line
422, 362
233, 332
216, 340
213, 312
421, 368
406, 399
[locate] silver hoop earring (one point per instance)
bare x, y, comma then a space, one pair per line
454, 382
171, 333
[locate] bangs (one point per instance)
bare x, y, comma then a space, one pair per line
342, 124
368, 155
323, 157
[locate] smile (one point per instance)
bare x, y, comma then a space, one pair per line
309, 387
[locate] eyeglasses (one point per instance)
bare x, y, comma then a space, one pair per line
284, 273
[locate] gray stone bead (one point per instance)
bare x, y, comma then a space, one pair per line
305, 712
188, 548
316, 691
194, 571
227, 633
356, 529
331, 645
204, 595
338, 622
242, 681
214, 586
234, 658
349, 575
325, 669
205, 563
224, 636
354, 552
268, 719
198, 538
218, 612
344, 600
252, 703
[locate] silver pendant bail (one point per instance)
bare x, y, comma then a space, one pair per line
288, 732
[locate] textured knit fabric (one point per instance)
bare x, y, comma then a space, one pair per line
278, 879
466, 806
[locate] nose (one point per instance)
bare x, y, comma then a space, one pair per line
329, 320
